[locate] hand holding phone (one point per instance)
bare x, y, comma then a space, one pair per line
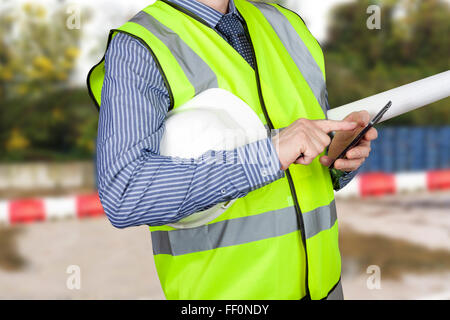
361, 135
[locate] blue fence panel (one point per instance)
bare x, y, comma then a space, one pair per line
444, 147
409, 149
402, 149
431, 149
373, 163
387, 148
418, 149
375, 157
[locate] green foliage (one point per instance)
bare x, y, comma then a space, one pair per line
413, 43
60, 126
38, 51
41, 116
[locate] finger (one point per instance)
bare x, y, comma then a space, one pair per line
364, 143
324, 138
319, 139
361, 151
326, 161
361, 117
305, 160
348, 165
364, 117
328, 126
371, 135
309, 154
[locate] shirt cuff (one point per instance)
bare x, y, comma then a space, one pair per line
341, 178
260, 163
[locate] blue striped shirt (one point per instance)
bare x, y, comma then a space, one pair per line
137, 185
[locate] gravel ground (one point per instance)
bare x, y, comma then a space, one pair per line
118, 264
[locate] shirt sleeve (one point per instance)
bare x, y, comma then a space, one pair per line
138, 186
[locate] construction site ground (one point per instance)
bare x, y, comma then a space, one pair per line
407, 237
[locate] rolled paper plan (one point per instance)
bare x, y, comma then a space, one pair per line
404, 99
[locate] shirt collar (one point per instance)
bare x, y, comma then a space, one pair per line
211, 16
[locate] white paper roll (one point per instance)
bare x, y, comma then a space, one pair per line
404, 99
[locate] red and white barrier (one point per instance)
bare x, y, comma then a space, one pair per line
83, 206
36, 210
377, 184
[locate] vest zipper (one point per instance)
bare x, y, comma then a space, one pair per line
288, 173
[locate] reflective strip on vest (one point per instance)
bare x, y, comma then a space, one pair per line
184, 55
242, 230
297, 49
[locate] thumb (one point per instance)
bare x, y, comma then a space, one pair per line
362, 117
325, 160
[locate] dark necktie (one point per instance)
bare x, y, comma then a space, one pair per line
232, 29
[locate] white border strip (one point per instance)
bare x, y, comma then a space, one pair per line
4, 212
60, 208
407, 182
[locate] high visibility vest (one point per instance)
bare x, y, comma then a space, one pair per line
280, 241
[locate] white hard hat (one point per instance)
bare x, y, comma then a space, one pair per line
213, 120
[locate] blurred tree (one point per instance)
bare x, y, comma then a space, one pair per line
38, 52
41, 115
413, 43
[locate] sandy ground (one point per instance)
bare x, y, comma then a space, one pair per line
114, 264
421, 218
118, 264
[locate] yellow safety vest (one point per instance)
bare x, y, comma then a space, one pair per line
280, 241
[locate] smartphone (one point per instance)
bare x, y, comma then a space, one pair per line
361, 135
